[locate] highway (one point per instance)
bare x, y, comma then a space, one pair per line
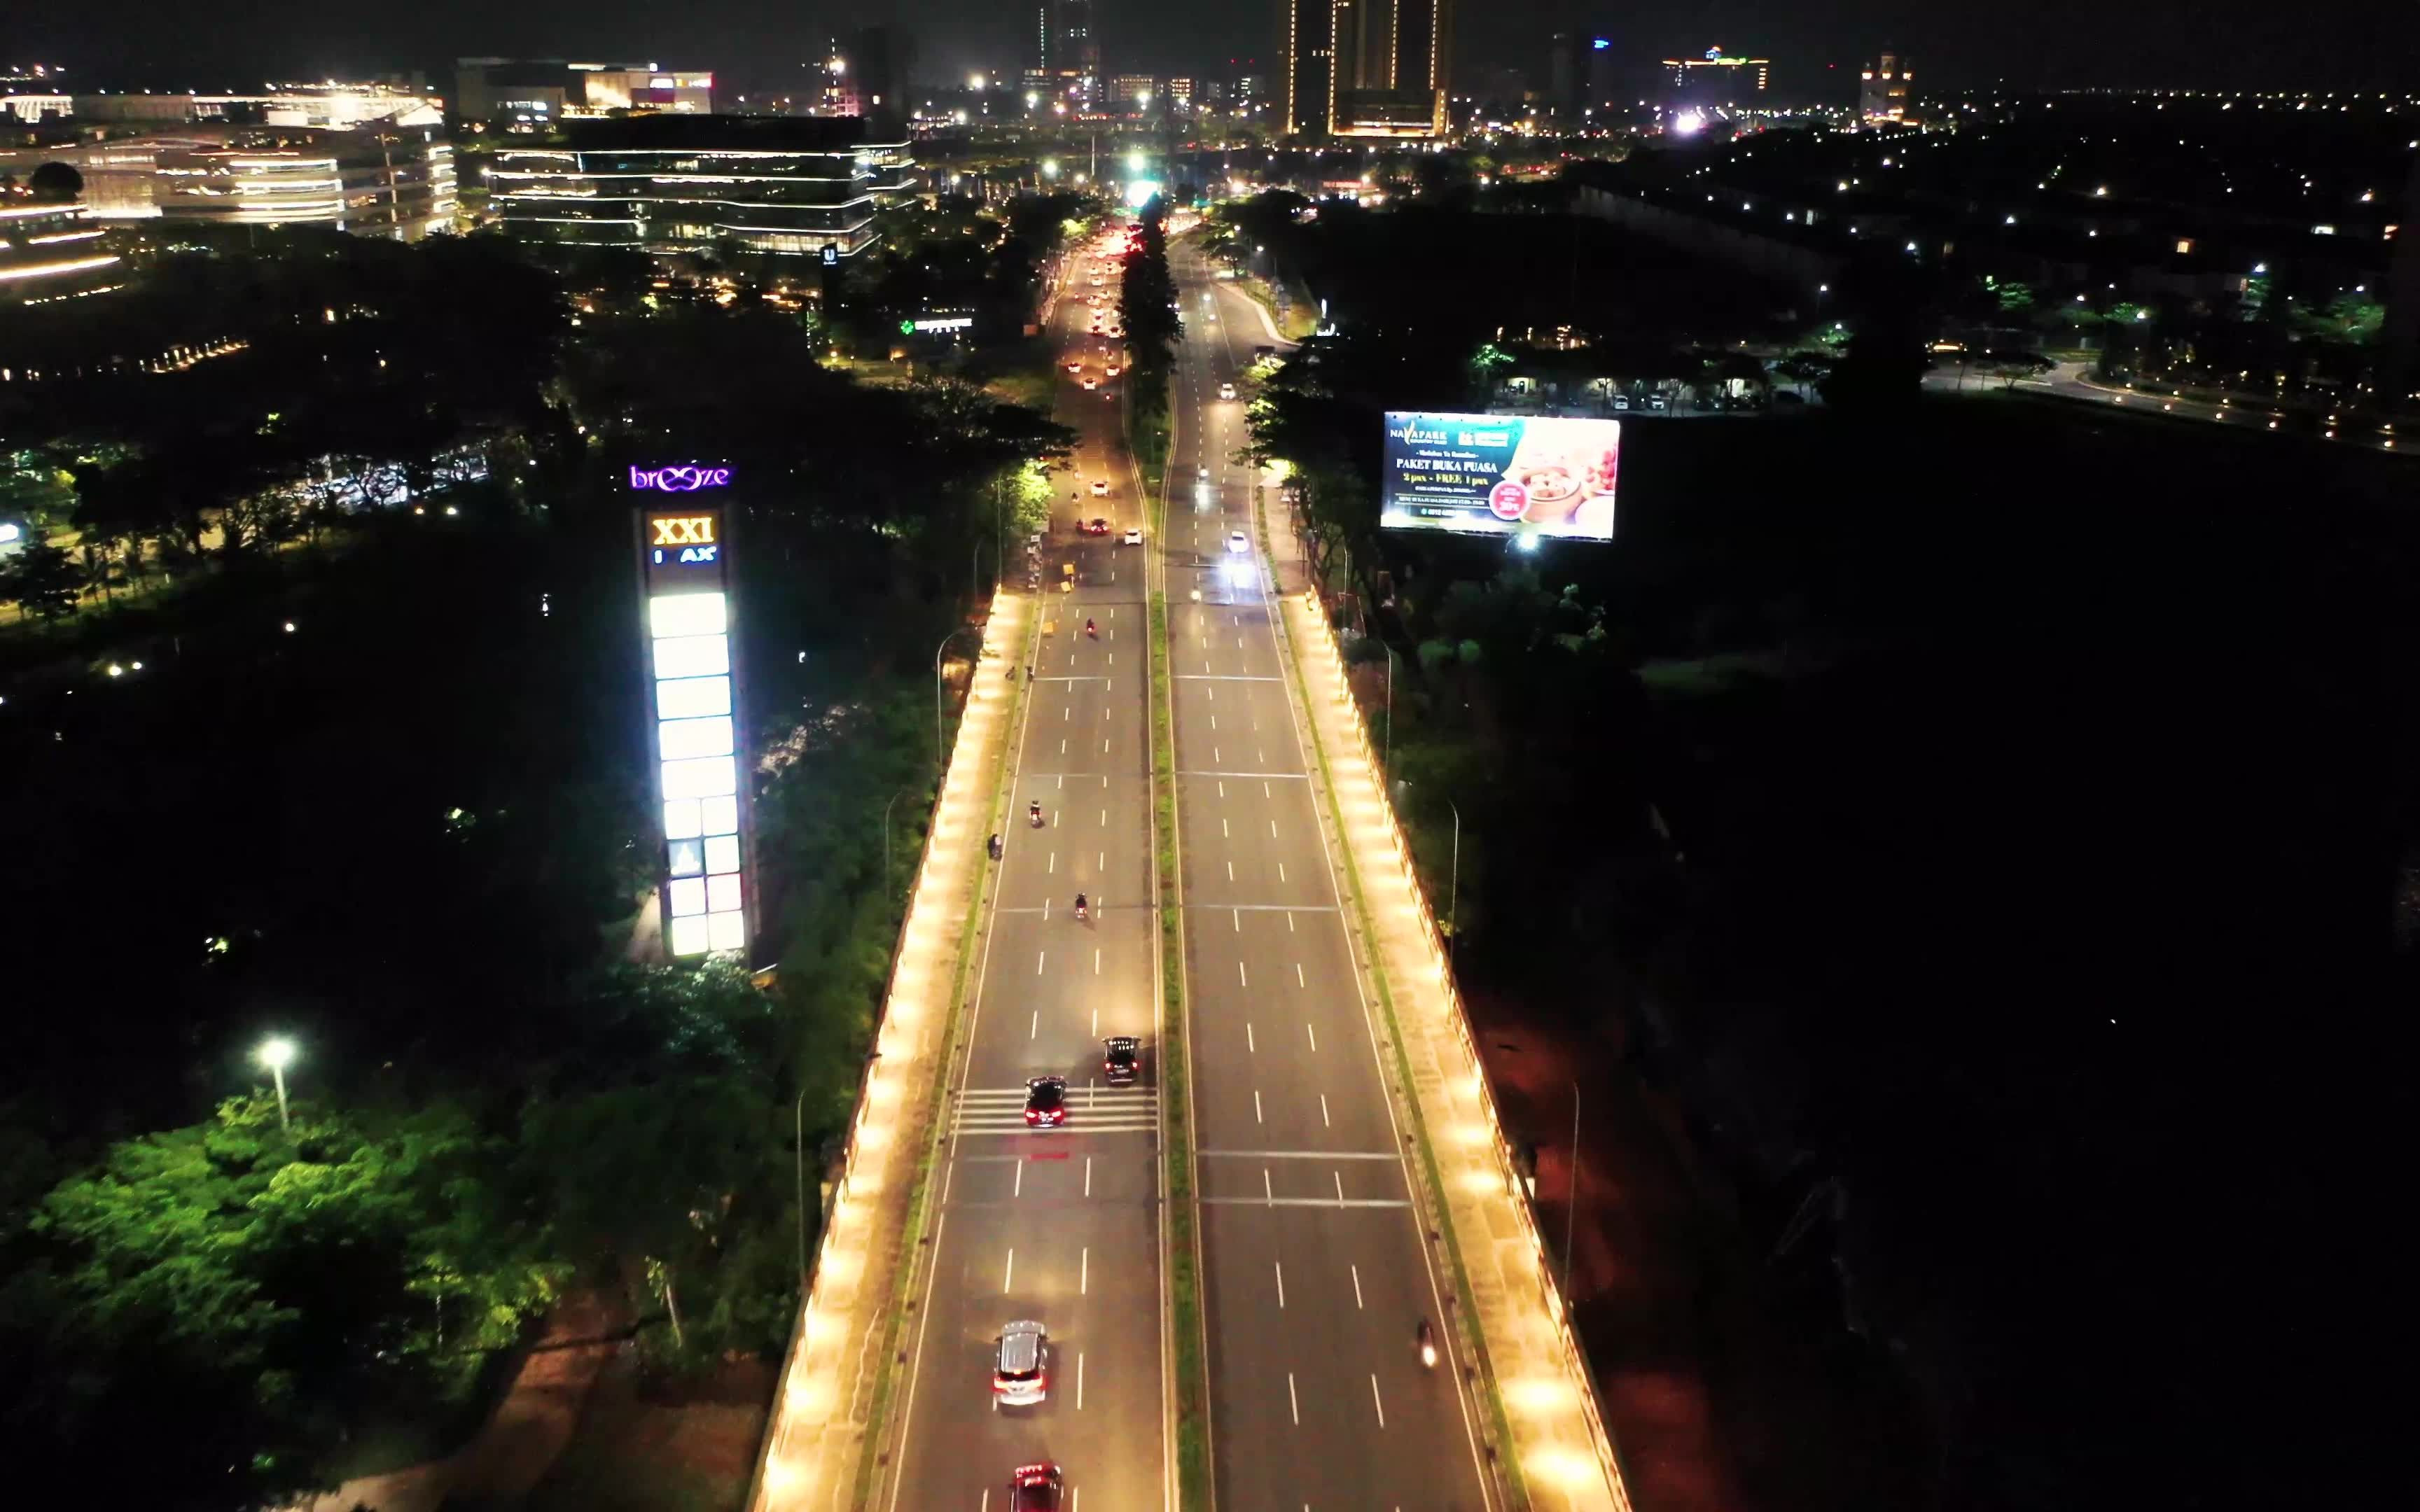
1316, 1278
1060, 1226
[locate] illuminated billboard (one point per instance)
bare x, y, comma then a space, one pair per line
1500, 474
703, 867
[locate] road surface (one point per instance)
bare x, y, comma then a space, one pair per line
1315, 1274
1062, 1226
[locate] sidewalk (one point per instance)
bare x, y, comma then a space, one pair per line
831, 1375
1558, 1435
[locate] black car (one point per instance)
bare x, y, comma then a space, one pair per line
1033, 1487
1045, 1101
1120, 1059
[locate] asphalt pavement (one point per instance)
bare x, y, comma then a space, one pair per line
1061, 1226
1316, 1278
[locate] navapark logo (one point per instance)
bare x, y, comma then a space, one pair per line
684, 478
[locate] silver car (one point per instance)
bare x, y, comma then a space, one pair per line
1021, 1375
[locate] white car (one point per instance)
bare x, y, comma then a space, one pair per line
1238, 541
1099, 488
1133, 535
1226, 391
1203, 471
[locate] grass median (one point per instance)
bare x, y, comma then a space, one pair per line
1401, 1058
920, 1199
1183, 1274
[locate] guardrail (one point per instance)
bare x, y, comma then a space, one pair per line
1601, 1439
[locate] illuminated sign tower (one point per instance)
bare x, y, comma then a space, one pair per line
704, 882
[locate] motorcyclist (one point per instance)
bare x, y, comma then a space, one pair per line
1034, 812
1428, 1345
1092, 629
1081, 906
994, 847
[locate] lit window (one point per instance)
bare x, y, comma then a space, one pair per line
681, 740
693, 655
670, 614
726, 932
704, 777
720, 816
692, 936
688, 896
691, 698
722, 893
722, 853
682, 820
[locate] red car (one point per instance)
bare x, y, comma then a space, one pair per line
1045, 1107
1034, 1487
1095, 527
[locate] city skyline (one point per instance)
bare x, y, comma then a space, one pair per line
2125, 43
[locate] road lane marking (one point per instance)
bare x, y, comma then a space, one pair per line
1017, 1189
1100, 861
1281, 1270
1096, 1013
1231, 871
1293, 1404
1275, 1154
1241, 981
1251, 1046
1239, 919
1377, 1400
1323, 1119
1053, 869
1222, 830
1281, 877
1308, 1202
1340, 1184
1040, 956
1009, 1274
1356, 1285
1256, 1105
1300, 981
1080, 1387
1035, 1033
949, 1175
1313, 1029
1273, 830
1268, 1188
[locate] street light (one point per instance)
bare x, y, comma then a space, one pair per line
885, 836
277, 1054
962, 629
1454, 893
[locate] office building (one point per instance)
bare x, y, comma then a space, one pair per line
865, 75
380, 181
534, 95
1882, 90
51, 252
1180, 96
687, 183
1130, 93
1367, 67
1066, 71
1717, 79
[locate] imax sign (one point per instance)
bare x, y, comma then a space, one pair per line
686, 479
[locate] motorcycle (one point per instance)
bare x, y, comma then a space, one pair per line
1082, 912
1092, 629
1427, 1346
1035, 814
995, 847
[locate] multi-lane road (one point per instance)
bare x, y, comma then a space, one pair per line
1316, 1273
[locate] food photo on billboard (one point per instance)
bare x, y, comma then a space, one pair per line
1500, 474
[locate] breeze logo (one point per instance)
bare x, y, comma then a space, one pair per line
688, 479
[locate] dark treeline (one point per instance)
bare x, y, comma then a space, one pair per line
1993, 826
380, 785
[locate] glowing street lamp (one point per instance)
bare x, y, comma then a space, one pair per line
975, 81
277, 1054
1137, 163
1050, 167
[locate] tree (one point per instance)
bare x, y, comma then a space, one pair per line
42, 581
1804, 369
256, 1293
56, 183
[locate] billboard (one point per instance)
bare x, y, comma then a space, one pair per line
702, 870
1500, 474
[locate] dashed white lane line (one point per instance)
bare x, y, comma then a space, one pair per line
1323, 1121
1008, 1275
1035, 1033
1293, 1404
1256, 1106
1304, 982
1241, 981
1357, 1283
1251, 1046
1281, 1270
1017, 1188
1376, 1400
1313, 1031
1040, 956
1080, 1387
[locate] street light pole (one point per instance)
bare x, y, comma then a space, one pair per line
1387, 761
798, 1149
1453, 895
277, 1055
937, 698
1572, 1202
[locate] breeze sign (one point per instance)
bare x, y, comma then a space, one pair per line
682, 479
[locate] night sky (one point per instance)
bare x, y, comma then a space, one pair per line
2125, 43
